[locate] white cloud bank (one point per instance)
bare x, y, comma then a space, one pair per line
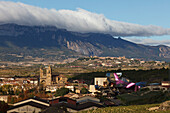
149, 41
79, 20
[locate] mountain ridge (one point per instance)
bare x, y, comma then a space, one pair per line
60, 42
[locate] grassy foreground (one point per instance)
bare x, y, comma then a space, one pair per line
127, 109
144, 97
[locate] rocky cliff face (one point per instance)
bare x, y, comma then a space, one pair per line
85, 48
49, 41
164, 51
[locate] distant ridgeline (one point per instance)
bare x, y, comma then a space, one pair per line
28, 43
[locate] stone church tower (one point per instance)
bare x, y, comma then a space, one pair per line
48, 75
45, 76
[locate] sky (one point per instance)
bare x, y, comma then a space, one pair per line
139, 21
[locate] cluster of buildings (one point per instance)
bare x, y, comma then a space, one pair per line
95, 61
108, 87
52, 82
13, 83
18, 80
123, 62
38, 105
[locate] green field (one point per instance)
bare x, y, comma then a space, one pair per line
127, 109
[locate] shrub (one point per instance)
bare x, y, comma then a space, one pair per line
62, 91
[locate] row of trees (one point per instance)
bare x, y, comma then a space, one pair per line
150, 76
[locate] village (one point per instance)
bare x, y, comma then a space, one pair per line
95, 62
28, 94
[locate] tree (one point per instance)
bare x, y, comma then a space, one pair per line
62, 91
1, 92
17, 92
11, 92
12, 100
0, 89
84, 90
3, 107
21, 95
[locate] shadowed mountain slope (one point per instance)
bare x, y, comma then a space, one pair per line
51, 42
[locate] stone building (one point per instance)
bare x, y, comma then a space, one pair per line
45, 76
48, 79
